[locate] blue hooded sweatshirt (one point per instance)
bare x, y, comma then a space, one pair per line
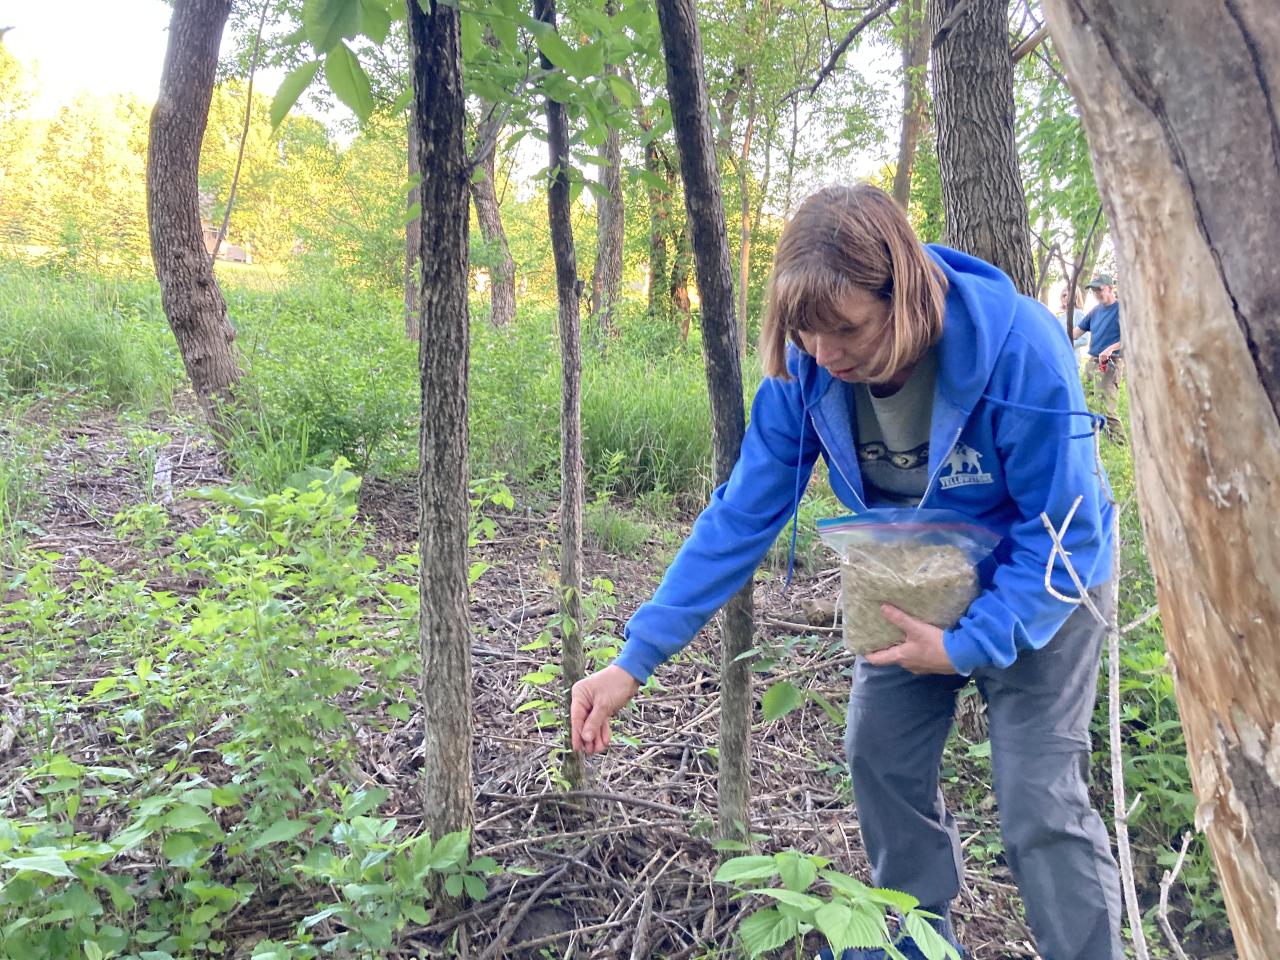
1009, 439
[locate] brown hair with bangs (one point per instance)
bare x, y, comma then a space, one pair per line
841, 238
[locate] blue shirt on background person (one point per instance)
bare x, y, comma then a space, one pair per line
1103, 321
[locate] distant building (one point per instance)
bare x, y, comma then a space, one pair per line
229, 252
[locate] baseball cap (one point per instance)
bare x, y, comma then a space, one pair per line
1101, 280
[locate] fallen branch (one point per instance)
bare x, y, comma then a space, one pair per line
1166, 883
495, 949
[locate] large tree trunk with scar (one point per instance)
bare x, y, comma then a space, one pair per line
687, 92
189, 292
1179, 99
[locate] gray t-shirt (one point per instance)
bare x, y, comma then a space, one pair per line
893, 437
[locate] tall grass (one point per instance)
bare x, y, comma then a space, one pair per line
329, 373
86, 334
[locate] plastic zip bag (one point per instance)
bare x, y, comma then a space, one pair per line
924, 562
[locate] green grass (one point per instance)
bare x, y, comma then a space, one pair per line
329, 373
102, 336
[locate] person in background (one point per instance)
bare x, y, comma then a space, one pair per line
1080, 343
923, 377
1105, 365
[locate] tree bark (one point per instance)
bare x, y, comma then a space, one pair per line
678, 290
444, 634
412, 242
686, 87
189, 291
659, 228
744, 231
607, 276
573, 661
502, 270
982, 194
1179, 102
915, 61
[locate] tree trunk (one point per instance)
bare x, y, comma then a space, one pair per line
188, 289
982, 193
607, 276
412, 243
573, 662
744, 233
686, 89
659, 228
502, 269
443, 632
915, 60
1178, 100
678, 291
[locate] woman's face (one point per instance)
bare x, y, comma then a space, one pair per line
853, 338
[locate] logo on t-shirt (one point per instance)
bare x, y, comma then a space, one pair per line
965, 466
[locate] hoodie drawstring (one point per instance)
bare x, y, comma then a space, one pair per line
1096, 420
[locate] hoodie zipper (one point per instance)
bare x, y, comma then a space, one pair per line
836, 462
938, 472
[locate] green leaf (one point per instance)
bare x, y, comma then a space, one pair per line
453, 885
552, 45
475, 887
796, 870
902, 902
931, 943
185, 816
836, 715
278, 832
91, 950
792, 898
780, 699
766, 930
375, 22
450, 850
328, 21
845, 926
505, 30
417, 913
746, 868
291, 88
39, 863
105, 685
348, 81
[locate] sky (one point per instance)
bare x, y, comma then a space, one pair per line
78, 46
107, 47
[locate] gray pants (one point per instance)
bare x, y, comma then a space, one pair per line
1056, 844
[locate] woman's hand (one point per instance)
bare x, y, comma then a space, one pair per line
594, 702
921, 649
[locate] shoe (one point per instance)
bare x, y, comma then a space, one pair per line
907, 946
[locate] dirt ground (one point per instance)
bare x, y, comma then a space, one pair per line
622, 869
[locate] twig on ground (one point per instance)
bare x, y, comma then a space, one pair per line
495, 949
